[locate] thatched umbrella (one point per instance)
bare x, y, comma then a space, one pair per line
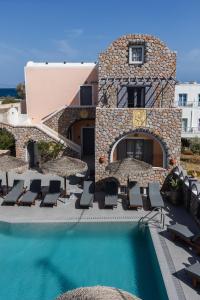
65, 166
97, 293
11, 163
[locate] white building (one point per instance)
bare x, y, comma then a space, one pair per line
187, 96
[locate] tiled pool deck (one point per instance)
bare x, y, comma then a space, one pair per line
173, 258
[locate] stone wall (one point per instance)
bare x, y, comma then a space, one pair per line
159, 62
113, 123
23, 134
61, 121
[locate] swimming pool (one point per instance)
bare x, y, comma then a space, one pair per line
40, 261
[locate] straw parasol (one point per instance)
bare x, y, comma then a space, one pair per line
97, 293
11, 163
65, 166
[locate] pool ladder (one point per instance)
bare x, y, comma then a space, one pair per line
150, 216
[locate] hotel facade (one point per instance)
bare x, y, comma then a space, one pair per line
117, 112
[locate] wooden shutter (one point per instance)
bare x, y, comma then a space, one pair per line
86, 95
122, 99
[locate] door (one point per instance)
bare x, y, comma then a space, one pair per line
136, 96
88, 141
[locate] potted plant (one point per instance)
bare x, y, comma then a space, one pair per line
175, 191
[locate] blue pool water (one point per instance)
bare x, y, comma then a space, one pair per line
40, 261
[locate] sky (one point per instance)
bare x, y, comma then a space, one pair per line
78, 30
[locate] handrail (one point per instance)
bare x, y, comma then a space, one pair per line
148, 219
59, 137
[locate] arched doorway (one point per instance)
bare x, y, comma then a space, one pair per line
33, 155
142, 146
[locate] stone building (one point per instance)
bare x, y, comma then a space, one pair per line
117, 114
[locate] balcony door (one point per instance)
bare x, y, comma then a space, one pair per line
136, 96
136, 148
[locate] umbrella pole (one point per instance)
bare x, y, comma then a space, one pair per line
7, 182
65, 186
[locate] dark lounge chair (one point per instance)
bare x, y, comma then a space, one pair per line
87, 196
111, 194
182, 232
53, 194
194, 272
13, 196
32, 194
155, 196
134, 196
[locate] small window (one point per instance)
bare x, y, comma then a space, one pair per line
199, 100
86, 95
182, 101
136, 55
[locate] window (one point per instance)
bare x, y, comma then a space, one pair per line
198, 124
199, 100
86, 95
182, 101
184, 124
136, 55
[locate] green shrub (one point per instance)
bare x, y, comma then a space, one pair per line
49, 150
7, 141
195, 145
8, 100
21, 90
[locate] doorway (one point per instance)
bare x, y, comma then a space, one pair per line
87, 141
32, 150
136, 96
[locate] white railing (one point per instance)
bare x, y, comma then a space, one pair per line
191, 130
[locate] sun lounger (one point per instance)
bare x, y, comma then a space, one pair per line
87, 196
182, 232
30, 196
194, 272
155, 196
53, 193
111, 194
13, 196
134, 196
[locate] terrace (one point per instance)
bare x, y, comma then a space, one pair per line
173, 257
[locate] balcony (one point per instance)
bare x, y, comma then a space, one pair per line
189, 132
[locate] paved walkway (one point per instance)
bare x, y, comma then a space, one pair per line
179, 255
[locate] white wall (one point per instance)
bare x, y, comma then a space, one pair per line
191, 111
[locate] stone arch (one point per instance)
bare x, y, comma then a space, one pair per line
147, 132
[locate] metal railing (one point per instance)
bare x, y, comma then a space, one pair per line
191, 130
150, 216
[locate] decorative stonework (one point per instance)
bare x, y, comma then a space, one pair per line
139, 118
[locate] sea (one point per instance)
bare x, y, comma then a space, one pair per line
4, 92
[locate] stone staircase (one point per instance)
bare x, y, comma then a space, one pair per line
59, 138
